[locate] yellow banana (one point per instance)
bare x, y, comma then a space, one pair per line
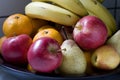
74, 6
97, 9
51, 12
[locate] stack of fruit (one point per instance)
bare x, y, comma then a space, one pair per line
70, 37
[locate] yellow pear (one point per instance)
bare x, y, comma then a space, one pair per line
105, 57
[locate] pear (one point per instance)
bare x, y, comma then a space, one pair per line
105, 57
115, 41
74, 61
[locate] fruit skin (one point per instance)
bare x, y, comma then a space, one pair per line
49, 31
105, 57
14, 49
2, 39
51, 12
90, 33
97, 9
68, 4
44, 55
17, 24
114, 41
45, 27
37, 23
74, 61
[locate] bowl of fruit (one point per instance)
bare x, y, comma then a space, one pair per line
61, 40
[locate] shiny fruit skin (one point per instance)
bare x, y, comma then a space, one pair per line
49, 31
90, 33
14, 49
37, 23
44, 55
17, 24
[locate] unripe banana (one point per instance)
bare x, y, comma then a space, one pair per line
51, 12
74, 6
97, 9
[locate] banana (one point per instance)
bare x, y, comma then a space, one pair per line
97, 9
74, 6
51, 12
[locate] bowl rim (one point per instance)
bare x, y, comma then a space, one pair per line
26, 73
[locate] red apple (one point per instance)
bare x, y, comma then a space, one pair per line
44, 55
14, 49
90, 32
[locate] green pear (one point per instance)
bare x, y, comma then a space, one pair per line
115, 41
105, 57
74, 61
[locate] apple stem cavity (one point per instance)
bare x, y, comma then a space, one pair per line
52, 48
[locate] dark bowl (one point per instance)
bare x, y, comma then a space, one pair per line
22, 73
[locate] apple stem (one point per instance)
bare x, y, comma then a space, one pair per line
66, 36
79, 27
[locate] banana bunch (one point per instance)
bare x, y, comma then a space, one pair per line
57, 11
68, 12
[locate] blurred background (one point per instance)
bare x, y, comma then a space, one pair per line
8, 7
